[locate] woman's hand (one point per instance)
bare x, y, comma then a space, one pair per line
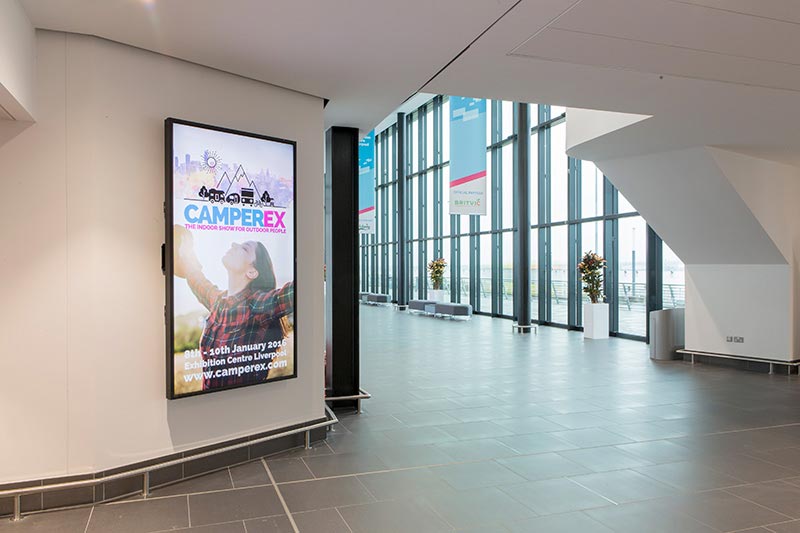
185, 260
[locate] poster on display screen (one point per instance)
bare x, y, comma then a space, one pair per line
229, 258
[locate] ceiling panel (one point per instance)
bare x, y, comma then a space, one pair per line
787, 10
587, 49
687, 26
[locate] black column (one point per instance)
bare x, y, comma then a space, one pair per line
402, 233
522, 285
341, 259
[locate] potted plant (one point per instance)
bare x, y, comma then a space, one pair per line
436, 275
595, 312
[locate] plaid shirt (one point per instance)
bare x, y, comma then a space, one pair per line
248, 317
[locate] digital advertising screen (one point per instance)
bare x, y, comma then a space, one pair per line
229, 258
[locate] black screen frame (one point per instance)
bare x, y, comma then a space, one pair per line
168, 266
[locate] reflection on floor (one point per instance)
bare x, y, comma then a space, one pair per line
474, 428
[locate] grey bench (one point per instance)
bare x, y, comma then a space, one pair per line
419, 305
373, 298
453, 309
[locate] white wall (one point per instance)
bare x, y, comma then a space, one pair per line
749, 301
690, 202
17, 62
589, 124
731, 218
82, 328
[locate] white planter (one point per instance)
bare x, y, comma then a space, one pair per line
437, 296
595, 321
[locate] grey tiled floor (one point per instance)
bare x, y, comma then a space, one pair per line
475, 428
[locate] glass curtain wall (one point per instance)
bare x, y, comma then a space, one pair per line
574, 209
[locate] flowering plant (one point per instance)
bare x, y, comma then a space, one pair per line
591, 268
436, 272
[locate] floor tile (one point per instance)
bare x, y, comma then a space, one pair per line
249, 475
776, 495
590, 437
284, 470
237, 504
788, 457
416, 437
372, 422
658, 451
403, 483
475, 475
141, 516
477, 507
649, 517
563, 523
624, 486
787, 527
426, 418
577, 420
536, 443
727, 512
230, 527
396, 516
324, 494
476, 414
475, 430
413, 456
689, 476
604, 459
344, 464
543, 466
270, 524
326, 520
476, 450
746, 468
553, 496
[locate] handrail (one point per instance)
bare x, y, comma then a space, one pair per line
17, 494
363, 395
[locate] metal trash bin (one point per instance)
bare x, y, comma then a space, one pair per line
667, 334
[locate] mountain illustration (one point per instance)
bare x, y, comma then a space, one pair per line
224, 182
243, 181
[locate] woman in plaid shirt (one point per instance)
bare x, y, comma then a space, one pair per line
247, 314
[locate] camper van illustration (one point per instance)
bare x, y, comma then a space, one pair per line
215, 195
233, 198
248, 196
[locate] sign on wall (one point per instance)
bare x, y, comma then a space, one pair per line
467, 156
230, 259
366, 184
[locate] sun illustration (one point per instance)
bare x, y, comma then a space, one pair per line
210, 161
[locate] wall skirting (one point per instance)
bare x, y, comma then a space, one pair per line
103, 492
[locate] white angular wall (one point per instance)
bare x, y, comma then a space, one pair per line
731, 218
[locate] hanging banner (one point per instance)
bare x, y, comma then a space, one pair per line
467, 156
366, 184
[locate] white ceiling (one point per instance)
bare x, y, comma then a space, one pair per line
711, 72
366, 57
725, 73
